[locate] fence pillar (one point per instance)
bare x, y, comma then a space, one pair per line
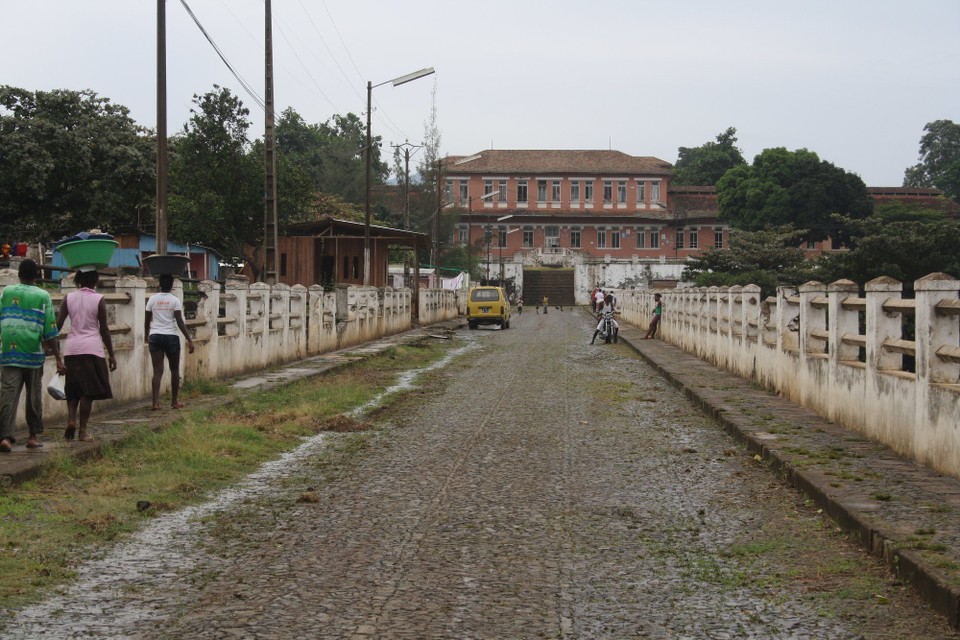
882, 325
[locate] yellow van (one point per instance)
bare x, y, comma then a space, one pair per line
488, 305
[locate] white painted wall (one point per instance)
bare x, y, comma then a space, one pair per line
804, 344
260, 326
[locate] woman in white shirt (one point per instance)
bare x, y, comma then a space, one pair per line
164, 317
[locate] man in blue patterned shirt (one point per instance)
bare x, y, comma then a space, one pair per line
27, 325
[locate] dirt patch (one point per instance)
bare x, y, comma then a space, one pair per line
343, 424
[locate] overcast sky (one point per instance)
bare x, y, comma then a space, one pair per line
853, 80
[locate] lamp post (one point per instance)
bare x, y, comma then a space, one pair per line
410, 77
470, 199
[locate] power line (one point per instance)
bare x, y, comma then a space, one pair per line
246, 86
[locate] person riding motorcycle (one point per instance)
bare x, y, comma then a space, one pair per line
607, 307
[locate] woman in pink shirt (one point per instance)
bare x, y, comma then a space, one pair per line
87, 375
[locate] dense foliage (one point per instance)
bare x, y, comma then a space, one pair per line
769, 257
705, 165
69, 161
939, 165
791, 187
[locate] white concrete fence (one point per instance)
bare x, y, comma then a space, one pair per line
247, 327
845, 356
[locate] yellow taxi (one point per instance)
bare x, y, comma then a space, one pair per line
488, 305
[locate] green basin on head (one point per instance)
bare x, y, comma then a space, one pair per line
80, 253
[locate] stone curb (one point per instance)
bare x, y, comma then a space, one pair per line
876, 536
22, 466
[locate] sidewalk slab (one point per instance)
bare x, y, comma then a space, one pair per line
900, 511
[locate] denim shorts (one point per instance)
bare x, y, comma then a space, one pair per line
170, 345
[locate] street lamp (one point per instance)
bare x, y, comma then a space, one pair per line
410, 77
470, 224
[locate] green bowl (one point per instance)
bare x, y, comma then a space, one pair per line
80, 253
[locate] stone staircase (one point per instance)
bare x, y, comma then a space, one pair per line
556, 284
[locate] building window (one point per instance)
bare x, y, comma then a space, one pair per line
641, 238
356, 267
615, 238
521, 191
694, 238
588, 192
622, 191
601, 237
654, 238
502, 191
811, 244
462, 235
575, 192
718, 238
641, 193
555, 191
487, 189
541, 190
679, 241
608, 190
575, 238
528, 237
464, 192
448, 191
283, 264
655, 191
502, 236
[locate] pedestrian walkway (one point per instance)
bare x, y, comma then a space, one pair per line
900, 511
111, 425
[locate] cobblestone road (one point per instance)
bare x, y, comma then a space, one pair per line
537, 487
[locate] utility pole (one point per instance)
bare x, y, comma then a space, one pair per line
271, 270
161, 128
436, 221
406, 146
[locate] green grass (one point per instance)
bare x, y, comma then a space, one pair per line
49, 524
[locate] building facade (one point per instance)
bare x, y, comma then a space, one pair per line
566, 207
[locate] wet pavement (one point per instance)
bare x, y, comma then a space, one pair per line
533, 487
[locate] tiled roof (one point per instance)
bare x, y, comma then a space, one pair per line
533, 162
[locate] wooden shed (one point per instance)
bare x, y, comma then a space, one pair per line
330, 251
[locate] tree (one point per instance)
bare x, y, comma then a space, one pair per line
706, 164
424, 204
902, 249
216, 183
70, 161
939, 165
767, 257
791, 187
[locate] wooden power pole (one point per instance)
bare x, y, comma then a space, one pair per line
271, 270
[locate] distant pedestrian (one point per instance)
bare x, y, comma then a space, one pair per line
593, 300
164, 317
87, 376
520, 306
546, 302
27, 325
657, 314
598, 299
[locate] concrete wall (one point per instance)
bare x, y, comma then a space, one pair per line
246, 327
807, 345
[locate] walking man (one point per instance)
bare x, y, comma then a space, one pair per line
27, 325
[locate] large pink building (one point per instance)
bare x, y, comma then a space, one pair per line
598, 204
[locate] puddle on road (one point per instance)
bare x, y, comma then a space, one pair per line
104, 601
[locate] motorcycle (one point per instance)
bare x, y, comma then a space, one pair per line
608, 331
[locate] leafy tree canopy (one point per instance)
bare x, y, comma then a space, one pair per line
215, 183
903, 249
706, 164
939, 165
791, 187
768, 257
69, 161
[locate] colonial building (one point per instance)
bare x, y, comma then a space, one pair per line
555, 206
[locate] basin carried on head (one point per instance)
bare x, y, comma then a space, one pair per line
172, 265
92, 252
